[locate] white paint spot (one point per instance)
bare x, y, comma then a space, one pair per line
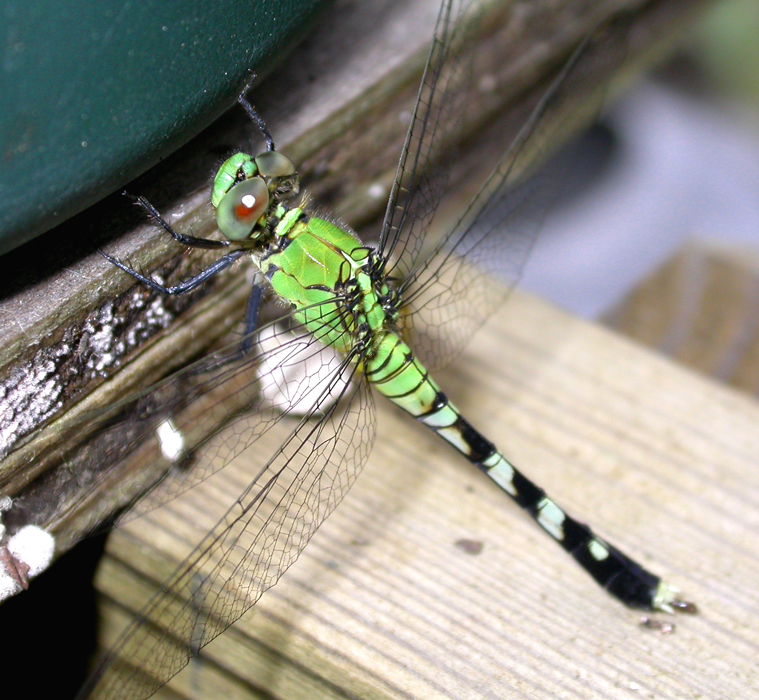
598, 550
376, 191
248, 201
8, 586
171, 439
34, 546
551, 518
635, 686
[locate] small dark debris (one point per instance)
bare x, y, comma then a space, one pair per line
663, 626
472, 547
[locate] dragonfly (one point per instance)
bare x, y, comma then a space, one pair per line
358, 319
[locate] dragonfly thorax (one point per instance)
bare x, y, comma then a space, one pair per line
248, 192
335, 284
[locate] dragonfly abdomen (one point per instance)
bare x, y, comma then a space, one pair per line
398, 375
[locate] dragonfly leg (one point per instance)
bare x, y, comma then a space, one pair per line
184, 238
186, 286
256, 117
251, 323
251, 318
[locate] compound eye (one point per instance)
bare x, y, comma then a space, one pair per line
241, 207
274, 164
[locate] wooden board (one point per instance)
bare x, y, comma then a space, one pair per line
702, 308
53, 302
385, 604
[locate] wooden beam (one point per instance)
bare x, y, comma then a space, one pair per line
80, 335
427, 582
702, 309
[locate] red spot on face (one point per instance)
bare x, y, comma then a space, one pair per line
246, 208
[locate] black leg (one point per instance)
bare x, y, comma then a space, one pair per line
257, 119
251, 323
251, 318
193, 241
186, 286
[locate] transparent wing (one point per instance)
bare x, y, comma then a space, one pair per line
251, 546
148, 449
438, 112
450, 293
289, 372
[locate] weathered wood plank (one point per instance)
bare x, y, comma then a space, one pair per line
701, 308
385, 604
385, 666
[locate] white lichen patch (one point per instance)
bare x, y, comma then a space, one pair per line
32, 548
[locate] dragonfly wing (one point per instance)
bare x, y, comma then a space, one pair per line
436, 116
288, 373
250, 547
449, 294
148, 449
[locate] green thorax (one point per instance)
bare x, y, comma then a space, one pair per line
323, 271
334, 284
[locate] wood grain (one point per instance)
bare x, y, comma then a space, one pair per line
702, 308
385, 604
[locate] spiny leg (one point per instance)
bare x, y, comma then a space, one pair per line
259, 122
251, 323
186, 286
184, 238
251, 318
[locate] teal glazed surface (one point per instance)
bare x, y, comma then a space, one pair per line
94, 93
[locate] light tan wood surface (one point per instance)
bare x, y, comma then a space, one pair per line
701, 307
390, 599
385, 604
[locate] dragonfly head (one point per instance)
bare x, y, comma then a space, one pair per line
246, 190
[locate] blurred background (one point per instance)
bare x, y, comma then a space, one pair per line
679, 157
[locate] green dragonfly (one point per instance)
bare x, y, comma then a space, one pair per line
358, 316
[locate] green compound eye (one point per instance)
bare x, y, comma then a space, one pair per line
274, 164
241, 208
